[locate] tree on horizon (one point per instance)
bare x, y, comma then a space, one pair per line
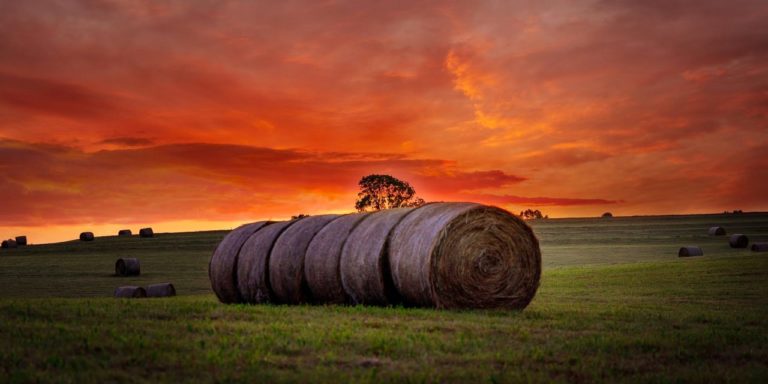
378, 192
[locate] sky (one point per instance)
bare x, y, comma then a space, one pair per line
195, 115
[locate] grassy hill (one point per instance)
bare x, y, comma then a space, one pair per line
615, 304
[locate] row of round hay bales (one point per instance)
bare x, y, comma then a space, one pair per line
737, 240
144, 232
152, 290
19, 241
443, 255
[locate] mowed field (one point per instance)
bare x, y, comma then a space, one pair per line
615, 304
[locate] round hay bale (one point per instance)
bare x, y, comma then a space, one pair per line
738, 241
10, 243
286, 261
222, 269
146, 232
124, 232
607, 215
717, 231
130, 291
364, 263
86, 236
161, 290
321, 261
127, 267
4, 244
689, 251
253, 283
760, 247
465, 255
21, 240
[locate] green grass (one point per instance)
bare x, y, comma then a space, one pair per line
615, 304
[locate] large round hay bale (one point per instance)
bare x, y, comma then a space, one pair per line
689, 251
321, 261
4, 244
717, 231
146, 232
86, 236
222, 269
128, 266
161, 290
465, 255
130, 292
124, 232
253, 283
364, 260
21, 240
286, 261
760, 247
738, 241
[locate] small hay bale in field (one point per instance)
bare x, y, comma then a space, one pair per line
253, 284
10, 243
130, 291
689, 251
4, 244
86, 236
21, 240
128, 266
161, 290
146, 232
738, 241
717, 231
125, 232
465, 255
321, 262
364, 260
760, 247
286, 261
222, 269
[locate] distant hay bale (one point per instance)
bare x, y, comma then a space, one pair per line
86, 236
760, 247
130, 292
4, 244
146, 232
127, 267
21, 240
10, 243
125, 232
607, 215
464, 255
321, 261
286, 261
717, 231
161, 290
738, 241
222, 269
364, 260
689, 251
253, 284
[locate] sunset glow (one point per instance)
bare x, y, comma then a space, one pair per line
192, 115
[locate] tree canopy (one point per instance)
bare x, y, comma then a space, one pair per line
530, 214
379, 192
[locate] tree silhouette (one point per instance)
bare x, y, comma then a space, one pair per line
530, 214
379, 192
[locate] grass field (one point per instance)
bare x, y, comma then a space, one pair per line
615, 304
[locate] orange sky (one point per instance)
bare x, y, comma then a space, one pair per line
203, 114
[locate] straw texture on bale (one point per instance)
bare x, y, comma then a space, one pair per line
146, 232
321, 262
464, 255
760, 247
222, 269
161, 290
690, 251
125, 232
21, 240
253, 284
286, 261
364, 260
717, 231
86, 236
738, 241
128, 266
130, 291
